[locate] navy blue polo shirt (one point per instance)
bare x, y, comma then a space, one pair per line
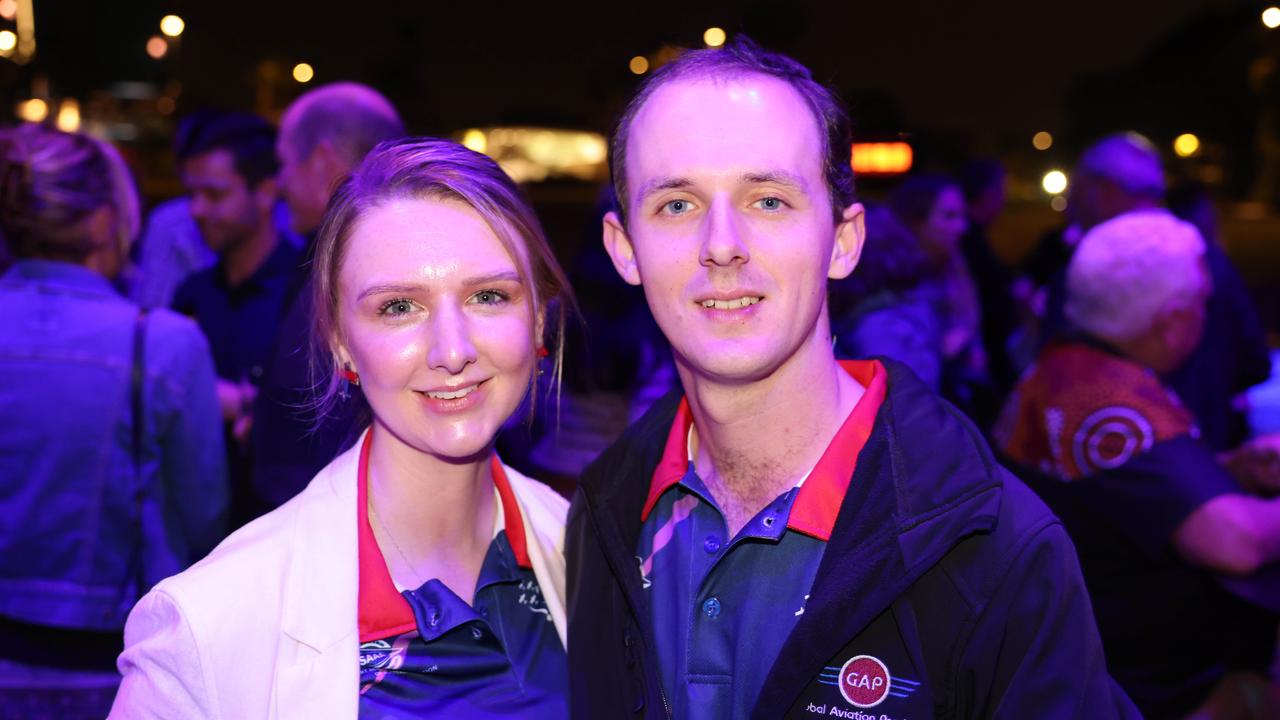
240, 322
722, 607
426, 652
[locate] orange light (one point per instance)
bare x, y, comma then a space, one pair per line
882, 158
157, 47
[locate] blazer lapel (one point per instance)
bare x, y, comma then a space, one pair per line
317, 670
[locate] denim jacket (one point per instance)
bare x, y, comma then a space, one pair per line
79, 540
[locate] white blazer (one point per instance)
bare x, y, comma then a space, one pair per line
266, 625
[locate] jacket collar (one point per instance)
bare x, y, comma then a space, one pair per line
818, 501
924, 480
60, 274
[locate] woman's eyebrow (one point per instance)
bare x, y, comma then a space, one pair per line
410, 288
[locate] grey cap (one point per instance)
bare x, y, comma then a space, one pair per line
1128, 159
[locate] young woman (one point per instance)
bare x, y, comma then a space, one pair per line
111, 466
416, 575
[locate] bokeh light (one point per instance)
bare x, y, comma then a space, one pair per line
172, 25
1186, 145
68, 119
1271, 17
476, 140
1058, 203
8, 8
1042, 140
303, 72
8, 40
157, 47
713, 37
1054, 182
639, 65
33, 110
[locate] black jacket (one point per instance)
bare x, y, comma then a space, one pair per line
941, 564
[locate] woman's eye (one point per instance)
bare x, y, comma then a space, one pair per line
770, 203
677, 207
396, 307
489, 297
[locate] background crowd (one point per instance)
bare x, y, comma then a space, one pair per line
158, 391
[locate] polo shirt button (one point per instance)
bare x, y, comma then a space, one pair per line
475, 633
434, 619
768, 520
711, 607
711, 544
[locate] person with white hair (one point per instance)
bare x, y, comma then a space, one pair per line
1123, 173
1159, 522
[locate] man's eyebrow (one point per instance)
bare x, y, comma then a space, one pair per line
409, 288
776, 177
663, 183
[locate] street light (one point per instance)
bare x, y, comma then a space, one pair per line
1186, 145
639, 65
713, 37
1054, 182
8, 41
303, 73
157, 47
1042, 140
172, 25
1271, 17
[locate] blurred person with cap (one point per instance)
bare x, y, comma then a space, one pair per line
1156, 517
112, 474
323, 135
1123, 173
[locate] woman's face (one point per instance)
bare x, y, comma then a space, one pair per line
437, 322
941, 230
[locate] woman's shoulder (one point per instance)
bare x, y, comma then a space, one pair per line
250, 571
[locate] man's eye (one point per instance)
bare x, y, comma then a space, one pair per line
396, 307
770, 203
677, 207
489, 297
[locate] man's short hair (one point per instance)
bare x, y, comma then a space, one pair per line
1129, 160
250, 140
1129, 269
350, 116
741, 57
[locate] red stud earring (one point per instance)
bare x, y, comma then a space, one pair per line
348, 378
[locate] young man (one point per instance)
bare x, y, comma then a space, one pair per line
796, 537
229, 168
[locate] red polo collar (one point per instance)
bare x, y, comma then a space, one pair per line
383, 610
818, 503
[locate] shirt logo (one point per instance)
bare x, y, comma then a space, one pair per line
864, 681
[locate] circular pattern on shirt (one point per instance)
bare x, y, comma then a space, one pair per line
1110, 437
864, 681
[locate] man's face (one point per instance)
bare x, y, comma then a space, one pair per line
303, 185
730, 227
225, 208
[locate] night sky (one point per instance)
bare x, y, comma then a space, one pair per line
977, 69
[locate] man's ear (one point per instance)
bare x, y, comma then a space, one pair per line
618, 244
327, 162
851, 234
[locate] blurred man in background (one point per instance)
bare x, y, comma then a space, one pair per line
323, 135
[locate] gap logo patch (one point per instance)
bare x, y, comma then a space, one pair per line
864, 681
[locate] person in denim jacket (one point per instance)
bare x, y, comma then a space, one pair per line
91, 515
